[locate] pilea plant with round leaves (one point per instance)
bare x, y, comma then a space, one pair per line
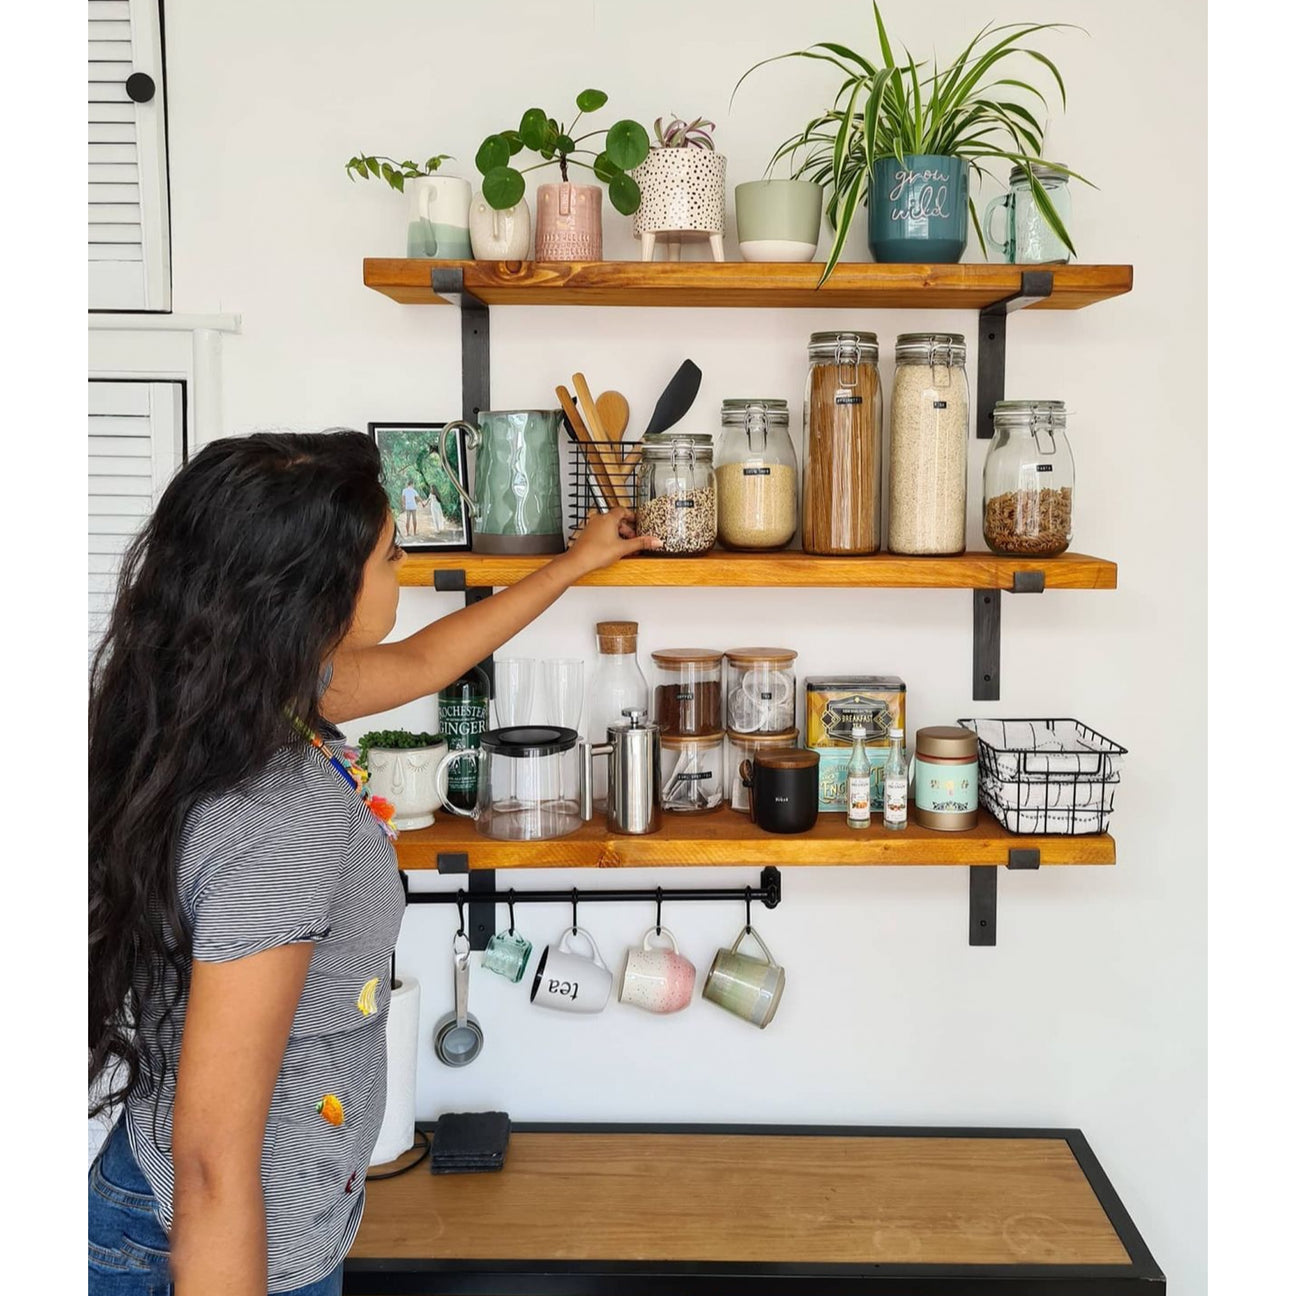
395, 173
625, 145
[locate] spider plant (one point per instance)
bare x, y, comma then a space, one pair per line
889, 108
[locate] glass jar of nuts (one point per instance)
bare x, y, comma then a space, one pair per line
675, 494
1029, 476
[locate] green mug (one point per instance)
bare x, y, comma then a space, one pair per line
507, 953
748, 987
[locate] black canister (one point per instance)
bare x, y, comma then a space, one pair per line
783, 788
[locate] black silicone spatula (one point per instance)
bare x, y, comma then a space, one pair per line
677, 399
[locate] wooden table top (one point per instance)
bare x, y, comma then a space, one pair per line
756, 1201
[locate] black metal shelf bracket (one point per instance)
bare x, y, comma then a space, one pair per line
987, 616
483, 895
992, 350
474, 340
983, 893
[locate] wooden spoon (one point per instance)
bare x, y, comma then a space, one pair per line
614, 414
589, 410
587, 447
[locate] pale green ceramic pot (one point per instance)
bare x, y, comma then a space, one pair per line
778, 220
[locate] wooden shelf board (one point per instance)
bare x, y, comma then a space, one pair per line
742, 284
726, 838
788, 568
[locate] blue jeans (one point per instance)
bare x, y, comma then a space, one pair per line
129, 1249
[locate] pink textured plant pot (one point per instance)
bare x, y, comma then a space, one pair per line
569, 222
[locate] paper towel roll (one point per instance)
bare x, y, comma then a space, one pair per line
397, 1133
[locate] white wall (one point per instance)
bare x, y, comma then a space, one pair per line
1090, 1012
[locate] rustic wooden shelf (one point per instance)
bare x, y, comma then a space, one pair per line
726, 838
741, 284
787, 568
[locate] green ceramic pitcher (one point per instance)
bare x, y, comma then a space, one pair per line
516, 502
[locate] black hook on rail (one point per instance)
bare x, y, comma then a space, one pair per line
659, 905
511, 929
459, 900
748, 899
575, 901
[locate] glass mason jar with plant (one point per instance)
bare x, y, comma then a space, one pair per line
902, 138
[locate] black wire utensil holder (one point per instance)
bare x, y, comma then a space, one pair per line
592, 491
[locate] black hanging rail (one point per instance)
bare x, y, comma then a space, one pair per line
769, 893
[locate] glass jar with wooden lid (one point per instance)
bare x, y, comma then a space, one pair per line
760, 689
686, 692
841, 494
692, 772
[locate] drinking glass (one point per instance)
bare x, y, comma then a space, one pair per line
564, 680
514, 685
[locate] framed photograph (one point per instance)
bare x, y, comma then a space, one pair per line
429, 512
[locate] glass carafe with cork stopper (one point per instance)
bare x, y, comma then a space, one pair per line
617, 685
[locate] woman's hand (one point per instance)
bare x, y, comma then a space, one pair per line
606, 538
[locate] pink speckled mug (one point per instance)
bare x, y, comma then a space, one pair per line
657, 978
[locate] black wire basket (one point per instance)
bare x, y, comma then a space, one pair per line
596, 487
1056, 777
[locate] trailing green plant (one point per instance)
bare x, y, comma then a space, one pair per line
681, 134
889, 108
625, 145
395, 173
394, 740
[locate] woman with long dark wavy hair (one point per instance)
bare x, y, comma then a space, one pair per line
244, 895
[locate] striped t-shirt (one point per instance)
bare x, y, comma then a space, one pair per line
296, 856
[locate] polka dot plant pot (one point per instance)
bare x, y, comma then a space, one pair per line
683, 192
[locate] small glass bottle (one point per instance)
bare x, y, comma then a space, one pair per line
859, 793
895, 782
618, 683
462, 708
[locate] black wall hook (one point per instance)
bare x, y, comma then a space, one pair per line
459, 900
512, 929
748, 898
659, 905
575, 901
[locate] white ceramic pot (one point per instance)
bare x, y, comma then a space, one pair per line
683, 200
438, 218
500, 235
407, 778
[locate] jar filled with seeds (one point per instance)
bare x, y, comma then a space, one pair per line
841, 488
741, 747
692, 773
1029, 477
756, 475
686, 696
675, 494
760, 689
927, 499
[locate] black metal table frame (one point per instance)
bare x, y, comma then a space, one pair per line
551, 1277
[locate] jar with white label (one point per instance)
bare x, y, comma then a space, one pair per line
744, 746
756, 475
1029, 480
675, 493
692, 773
760, 689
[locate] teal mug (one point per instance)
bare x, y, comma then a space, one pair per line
507, 954
918, 209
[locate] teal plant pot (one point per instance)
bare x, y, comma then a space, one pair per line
918, 209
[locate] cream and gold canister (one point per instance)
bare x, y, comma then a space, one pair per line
945, 778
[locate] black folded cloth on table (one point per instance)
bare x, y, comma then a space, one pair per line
469, 1142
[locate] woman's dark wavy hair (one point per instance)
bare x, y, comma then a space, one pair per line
229, 602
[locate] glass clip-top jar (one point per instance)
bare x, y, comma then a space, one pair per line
927, 499
1028, 481
756, 475
675, 494
1029, 239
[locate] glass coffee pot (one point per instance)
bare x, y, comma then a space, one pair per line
528, 783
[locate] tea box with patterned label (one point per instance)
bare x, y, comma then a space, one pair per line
834, 705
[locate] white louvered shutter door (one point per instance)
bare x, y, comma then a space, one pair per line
136, 444
129, 234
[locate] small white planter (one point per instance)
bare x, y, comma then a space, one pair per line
407, 778
683, 200
500, 235
438, 218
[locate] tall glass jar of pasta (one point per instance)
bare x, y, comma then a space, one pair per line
841, 508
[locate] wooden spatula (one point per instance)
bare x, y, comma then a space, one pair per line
614, 414
587, 447
601, 440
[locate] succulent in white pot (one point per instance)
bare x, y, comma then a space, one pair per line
682, 183
402, 768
